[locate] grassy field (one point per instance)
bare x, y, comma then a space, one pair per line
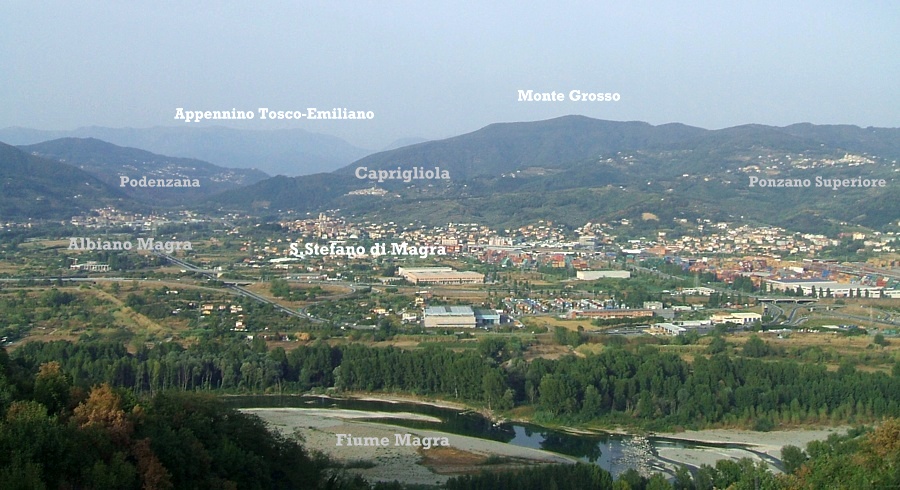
135, 322
465, 295
100, 309
105, 315
331, 291
8, 268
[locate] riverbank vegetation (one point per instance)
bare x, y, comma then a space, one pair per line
628, 385
56, 435
142, 415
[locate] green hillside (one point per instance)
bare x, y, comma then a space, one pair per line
109, 162
36, 188
574, 169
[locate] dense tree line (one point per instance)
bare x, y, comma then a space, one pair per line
143, 429
860, 459
643, 385
561, 477
725, 474
55, 435
744, 283
280, 288
661, 387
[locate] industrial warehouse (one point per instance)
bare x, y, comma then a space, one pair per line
444, 276
460, 317
825, 288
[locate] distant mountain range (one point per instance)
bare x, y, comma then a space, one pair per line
569, 170
575, 169
562, 142
37, 188
276, 152
110, 163
502, 148
400, 143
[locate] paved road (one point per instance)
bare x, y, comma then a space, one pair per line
656, 272
775, 312
790, 319
244, 291
74, 279
210, 274
294, 313
891, 323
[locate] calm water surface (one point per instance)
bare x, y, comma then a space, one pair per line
612, 452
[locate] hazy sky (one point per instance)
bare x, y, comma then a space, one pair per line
438, 69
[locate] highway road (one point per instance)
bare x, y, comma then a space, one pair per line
655, 272
234, 288
244, 291
775, 312
294, 313
889, 323
73, 279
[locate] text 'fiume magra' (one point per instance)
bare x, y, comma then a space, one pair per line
399, 440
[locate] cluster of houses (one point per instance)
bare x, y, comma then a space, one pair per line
207, 309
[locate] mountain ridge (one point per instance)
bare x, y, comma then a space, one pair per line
536, 164
276, 152
37, 188
108, 162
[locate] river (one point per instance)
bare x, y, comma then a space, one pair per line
613, 452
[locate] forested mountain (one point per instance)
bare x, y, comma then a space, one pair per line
563, 142
317, 191
109, 162
276, 152
879, 141
574, 169
507, 147
56, 435
34, 187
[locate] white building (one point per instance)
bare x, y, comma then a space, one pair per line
439, 275
837, 289
668, 329
594, 275
90, 266
737, 318
449, 317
